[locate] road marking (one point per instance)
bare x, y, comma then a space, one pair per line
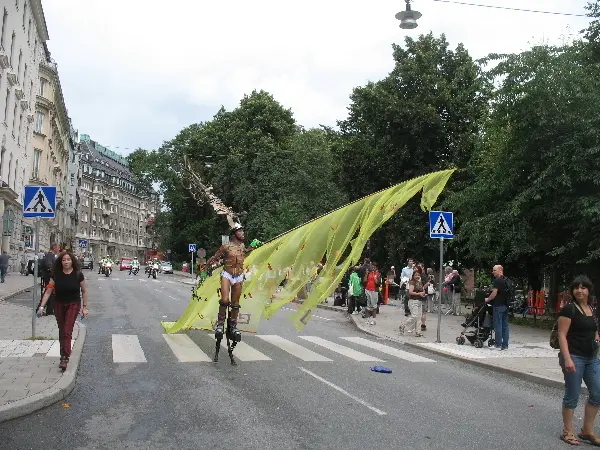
116, 279
244, 352
54, 351
185, 349
388, 350
292, 348
342, 350
170, 282
129, 279
343, 391
172, 298
126, 348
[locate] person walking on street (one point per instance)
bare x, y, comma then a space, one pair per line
355, 292
68, 284
405, 277
4, 258
499, 299
578, 359
416, 294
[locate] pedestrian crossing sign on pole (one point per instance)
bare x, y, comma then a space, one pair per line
192, 248
39, 201
441, 225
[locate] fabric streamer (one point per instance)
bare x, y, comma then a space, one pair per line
338, 238
381, 369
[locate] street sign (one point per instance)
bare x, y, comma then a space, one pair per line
191, 248
201, 252
441, 225
83, 243
39, 201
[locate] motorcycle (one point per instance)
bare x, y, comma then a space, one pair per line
153, 271
134, 270
107, 269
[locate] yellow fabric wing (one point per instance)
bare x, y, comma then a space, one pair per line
337, 238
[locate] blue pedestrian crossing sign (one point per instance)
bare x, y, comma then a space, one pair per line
83, 243
39, 201
192, 248
441, 225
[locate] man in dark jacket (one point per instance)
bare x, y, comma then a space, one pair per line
45, 273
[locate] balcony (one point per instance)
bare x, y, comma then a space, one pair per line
25, 106
106, 212
104, 227
4, 62
56, 167
12, 78
19, 93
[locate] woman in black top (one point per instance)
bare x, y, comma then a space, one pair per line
577, 333
68, 284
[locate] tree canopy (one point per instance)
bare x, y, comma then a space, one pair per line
522, 130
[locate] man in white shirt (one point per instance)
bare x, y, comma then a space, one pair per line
405, 276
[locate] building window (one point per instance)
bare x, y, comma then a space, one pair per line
37, 154
19, 66
72, 179
29, 32
12, 50
3, 35
24, 76
39, 122
70, 200
20, 129
6, 106
43, 83
24, 13
14, 124
9, 169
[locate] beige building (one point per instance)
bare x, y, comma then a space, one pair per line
116, 217
53, 156
23, 34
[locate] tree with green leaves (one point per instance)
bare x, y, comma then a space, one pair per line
426, 115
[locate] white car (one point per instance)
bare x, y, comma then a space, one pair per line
166, 267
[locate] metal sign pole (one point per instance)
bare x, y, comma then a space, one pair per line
35, 276
193, 263
439, 324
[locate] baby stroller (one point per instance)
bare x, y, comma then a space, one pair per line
479, 327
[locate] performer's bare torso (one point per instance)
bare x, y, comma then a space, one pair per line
233, 255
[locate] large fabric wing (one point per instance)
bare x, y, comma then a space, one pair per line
337, 239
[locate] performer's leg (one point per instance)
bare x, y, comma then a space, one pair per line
223, 304
236, 291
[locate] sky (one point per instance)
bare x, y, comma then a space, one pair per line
135, 72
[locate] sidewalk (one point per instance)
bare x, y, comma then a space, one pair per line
29, 375
529, 356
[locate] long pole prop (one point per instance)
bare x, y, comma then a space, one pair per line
439, 324
35, 276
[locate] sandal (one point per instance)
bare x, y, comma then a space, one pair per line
569, 438
591, 438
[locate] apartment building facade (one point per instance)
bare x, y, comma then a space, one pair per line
116, 216
23, 34
54, 161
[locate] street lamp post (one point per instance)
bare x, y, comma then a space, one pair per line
408, 19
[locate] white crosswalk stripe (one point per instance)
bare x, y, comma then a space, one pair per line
185, 349
388, 350
292, 348
346, 351
126, 348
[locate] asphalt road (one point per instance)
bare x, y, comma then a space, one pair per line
280, 403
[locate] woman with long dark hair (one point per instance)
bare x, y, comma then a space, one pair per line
68, 284
577, 337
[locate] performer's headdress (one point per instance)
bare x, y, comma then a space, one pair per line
236, 226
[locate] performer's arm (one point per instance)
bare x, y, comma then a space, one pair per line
217, 256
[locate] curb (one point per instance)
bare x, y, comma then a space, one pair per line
538, 379
14, 294
63, 387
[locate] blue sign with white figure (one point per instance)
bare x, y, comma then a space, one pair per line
39, 201
441, 225
192, 248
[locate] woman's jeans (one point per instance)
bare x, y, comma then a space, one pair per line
586, 369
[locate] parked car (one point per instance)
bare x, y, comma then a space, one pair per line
166, 267
87, 263
125, 264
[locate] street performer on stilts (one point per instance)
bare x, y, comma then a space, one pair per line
232, 278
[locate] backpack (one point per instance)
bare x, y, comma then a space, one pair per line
511, 294
46, 265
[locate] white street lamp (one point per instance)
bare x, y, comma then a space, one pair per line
408, 19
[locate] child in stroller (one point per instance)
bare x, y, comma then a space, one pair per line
478, 328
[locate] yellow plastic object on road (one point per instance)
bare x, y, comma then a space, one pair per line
338, 238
